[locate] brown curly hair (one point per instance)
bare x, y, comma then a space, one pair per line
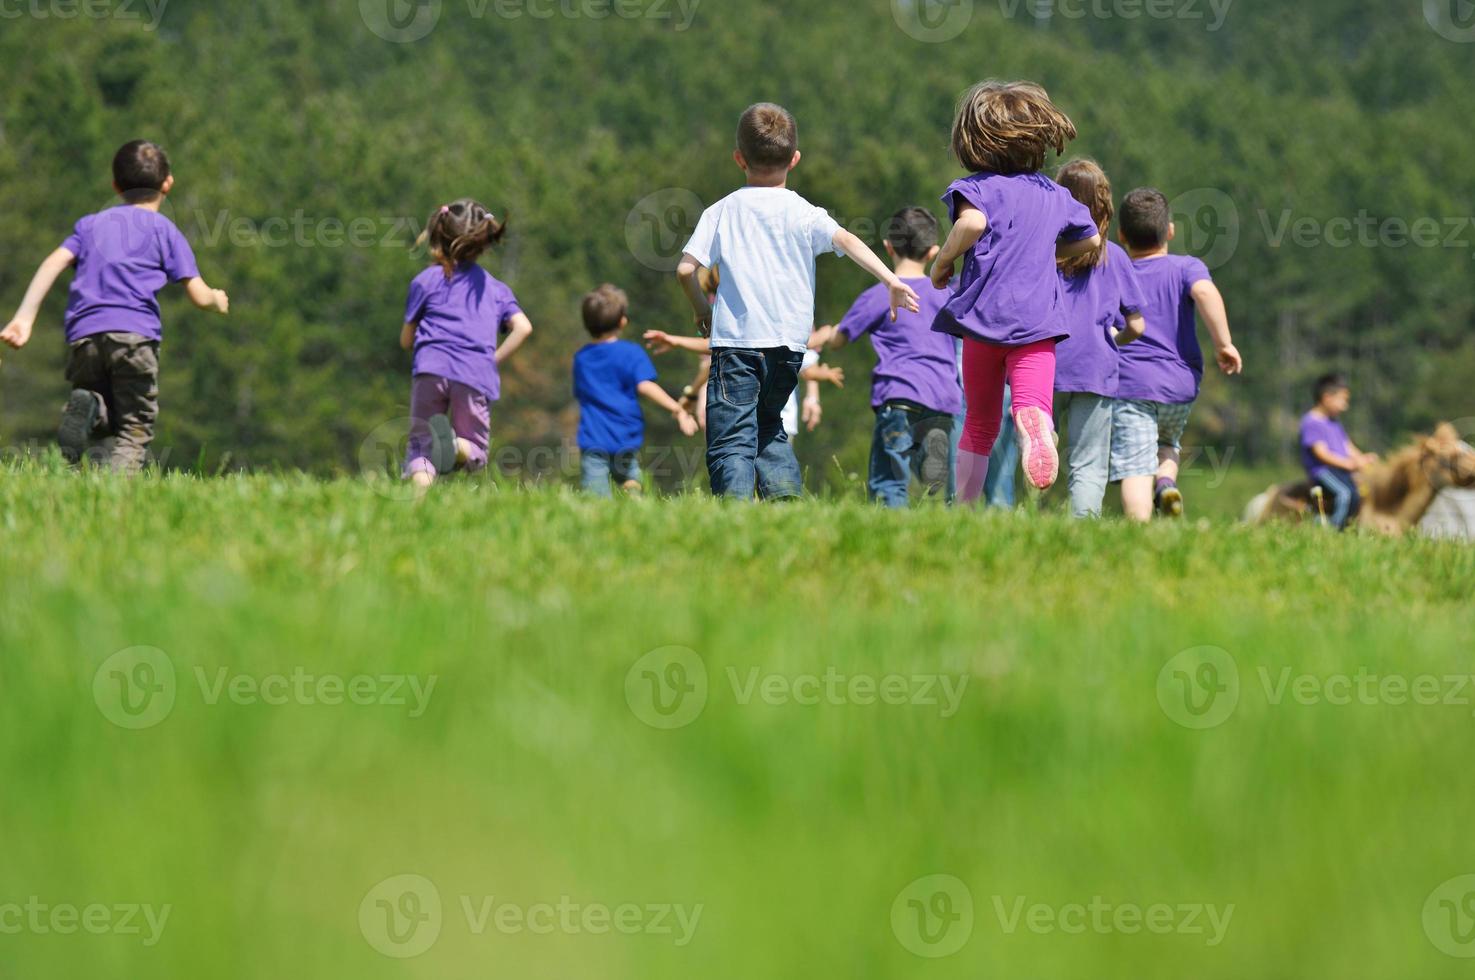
1007, 128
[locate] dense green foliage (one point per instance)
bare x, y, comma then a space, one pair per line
530, 773
286, 116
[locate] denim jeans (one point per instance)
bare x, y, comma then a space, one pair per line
910, 439
597, 466
1003, 462
1345, 500
747, 447
1088, 428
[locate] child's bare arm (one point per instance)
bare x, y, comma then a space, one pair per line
1066, 250
823, 372
1210, 304
18, 330
407, 335
200, 294
660, 341
655, 393
519, 328
811, 411
1134, 329
1321, 451
827, 336
901, 296
686, 271
967, 230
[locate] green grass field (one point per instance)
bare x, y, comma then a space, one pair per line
669, 738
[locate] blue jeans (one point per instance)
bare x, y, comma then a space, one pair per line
1088, 428
1003, 460
1344, 501
747, 447
910, 439
596, 467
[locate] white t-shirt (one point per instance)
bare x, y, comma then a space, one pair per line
765, 239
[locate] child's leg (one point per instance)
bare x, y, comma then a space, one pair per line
85, 415
983, 384
1172, 419
133, 369
594, 472
429, 396
625, 468
931, 455
1003, 461
1343, 491
732, 421
776, 467
471, 420
1133, 454
1088, 422
1031, 370
890, 443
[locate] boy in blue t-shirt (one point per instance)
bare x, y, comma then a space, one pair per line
609, 374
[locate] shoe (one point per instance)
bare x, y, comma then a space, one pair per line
1037, 447
442, 445
935, 450
1170, 501
78, 422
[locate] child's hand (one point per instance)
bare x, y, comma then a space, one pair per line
16, 333
903, 297
811, 412
942, 274
834, 375
222, 301
686, 422
821, 337
658, 341
1229, 360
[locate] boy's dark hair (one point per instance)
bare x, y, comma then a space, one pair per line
1328, 383
139, 170
912, 232
767, 136
604, 309
1145, 217
459, 232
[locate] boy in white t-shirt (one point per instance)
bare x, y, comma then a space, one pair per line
766, 238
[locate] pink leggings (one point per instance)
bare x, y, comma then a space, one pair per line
1030, 371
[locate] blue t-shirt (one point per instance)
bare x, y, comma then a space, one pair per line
605, 378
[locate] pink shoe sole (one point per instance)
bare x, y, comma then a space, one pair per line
1037, 447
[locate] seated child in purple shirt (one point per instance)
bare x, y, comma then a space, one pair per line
1328, 454
915, 391
124, 256
610, 376
1159, 375
453, 317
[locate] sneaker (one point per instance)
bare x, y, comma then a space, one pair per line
935, 451
1037, 447
78, 422
1170, 500
442, 445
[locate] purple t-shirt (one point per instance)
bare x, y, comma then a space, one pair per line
1316, 428
913, 362
125, 255
1008, 291
1165, 364
1095, 301
460, 320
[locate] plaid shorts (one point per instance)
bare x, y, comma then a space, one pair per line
1138, 428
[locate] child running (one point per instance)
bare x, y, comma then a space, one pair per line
124, 256
1010, 225
610, 375
766, 238
1329, 455
1103, 309
453, 317
1160, 373
914, 390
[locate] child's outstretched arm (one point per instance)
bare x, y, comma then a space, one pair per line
519, 328
205, 298
968, 228
1211, 307
686, 271
1134, 329
18, 330
902, 296
827, 336
655, 393
659, 341
823, 372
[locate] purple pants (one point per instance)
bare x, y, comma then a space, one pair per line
468, 409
